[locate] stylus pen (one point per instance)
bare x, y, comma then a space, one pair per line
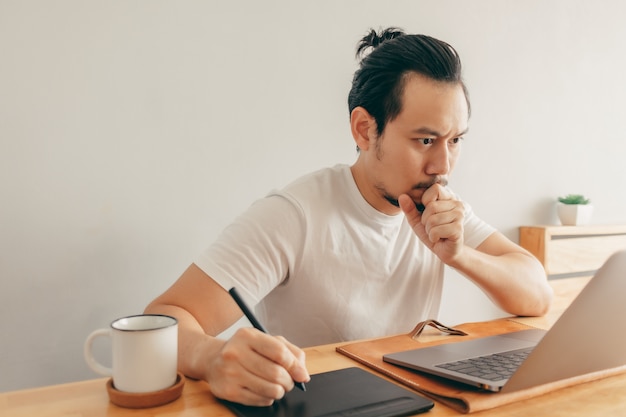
255, 323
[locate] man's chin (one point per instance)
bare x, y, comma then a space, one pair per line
392, 201
419, 206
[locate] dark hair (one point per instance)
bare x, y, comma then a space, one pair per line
379, 82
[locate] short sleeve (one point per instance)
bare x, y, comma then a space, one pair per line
258, 250
475, 229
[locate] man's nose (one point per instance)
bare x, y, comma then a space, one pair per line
439, 161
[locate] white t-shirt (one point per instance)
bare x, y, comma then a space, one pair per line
323, 266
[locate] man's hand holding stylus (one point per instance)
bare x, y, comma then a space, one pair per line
254, 368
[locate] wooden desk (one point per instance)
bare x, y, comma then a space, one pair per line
89, 398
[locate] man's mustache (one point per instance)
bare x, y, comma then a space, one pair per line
425, 185
420, 186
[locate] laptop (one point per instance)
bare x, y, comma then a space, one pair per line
589, 336
346, 392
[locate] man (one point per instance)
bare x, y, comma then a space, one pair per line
352, 251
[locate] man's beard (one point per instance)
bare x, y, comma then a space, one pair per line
419, 206
421, 186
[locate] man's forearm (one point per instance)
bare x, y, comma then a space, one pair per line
195, 348
515, 281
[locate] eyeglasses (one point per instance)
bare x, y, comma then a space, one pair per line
437, 325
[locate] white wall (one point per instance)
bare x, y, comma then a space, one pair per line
132, 132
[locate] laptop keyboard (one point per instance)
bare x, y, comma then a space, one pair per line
492, 367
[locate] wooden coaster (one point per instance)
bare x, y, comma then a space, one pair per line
146, 399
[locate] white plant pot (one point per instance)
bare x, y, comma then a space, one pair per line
574, 214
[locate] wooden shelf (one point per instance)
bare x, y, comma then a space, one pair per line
572, 250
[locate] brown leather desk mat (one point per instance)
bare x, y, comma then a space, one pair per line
455, 395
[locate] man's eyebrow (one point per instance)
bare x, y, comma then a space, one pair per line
431, 132
463, 133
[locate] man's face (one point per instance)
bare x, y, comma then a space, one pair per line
420, 146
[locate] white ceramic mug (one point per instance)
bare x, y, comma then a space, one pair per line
145, 352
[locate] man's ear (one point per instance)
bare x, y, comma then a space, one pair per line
363, 127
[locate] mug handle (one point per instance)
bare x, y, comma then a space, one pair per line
91, 361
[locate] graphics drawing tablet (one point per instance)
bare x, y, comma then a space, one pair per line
350, 392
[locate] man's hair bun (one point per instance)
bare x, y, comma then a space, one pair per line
373, 39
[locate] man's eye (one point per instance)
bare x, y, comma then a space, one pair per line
427, 141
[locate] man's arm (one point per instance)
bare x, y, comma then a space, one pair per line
250, 368
506, 272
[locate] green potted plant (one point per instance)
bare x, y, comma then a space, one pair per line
574, 210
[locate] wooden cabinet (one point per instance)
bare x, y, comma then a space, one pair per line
567, 251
